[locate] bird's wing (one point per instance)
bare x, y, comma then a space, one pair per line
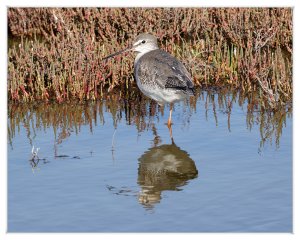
166, 71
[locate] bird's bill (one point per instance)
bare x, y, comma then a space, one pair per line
117, 53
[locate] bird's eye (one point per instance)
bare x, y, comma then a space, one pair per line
143, 41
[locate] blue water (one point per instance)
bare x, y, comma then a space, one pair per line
216, 177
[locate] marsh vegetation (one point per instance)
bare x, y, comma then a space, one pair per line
55, 53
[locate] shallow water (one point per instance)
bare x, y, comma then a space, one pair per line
111, 166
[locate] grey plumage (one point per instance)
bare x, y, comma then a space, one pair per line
158, 74
159, 68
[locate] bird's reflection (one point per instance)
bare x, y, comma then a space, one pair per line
164, 167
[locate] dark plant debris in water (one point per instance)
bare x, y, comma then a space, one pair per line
58, 51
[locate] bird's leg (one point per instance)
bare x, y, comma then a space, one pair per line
171, 135
170, 122
170, 117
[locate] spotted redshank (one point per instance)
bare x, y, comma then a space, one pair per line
159, 75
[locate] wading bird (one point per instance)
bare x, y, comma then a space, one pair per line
159, 75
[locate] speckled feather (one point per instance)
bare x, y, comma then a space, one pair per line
158, 68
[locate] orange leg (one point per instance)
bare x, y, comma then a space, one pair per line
170, 116
170, 122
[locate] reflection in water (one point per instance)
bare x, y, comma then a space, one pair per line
161, 168
149, 176
66, 119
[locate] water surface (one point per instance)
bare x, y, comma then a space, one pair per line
110, 166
